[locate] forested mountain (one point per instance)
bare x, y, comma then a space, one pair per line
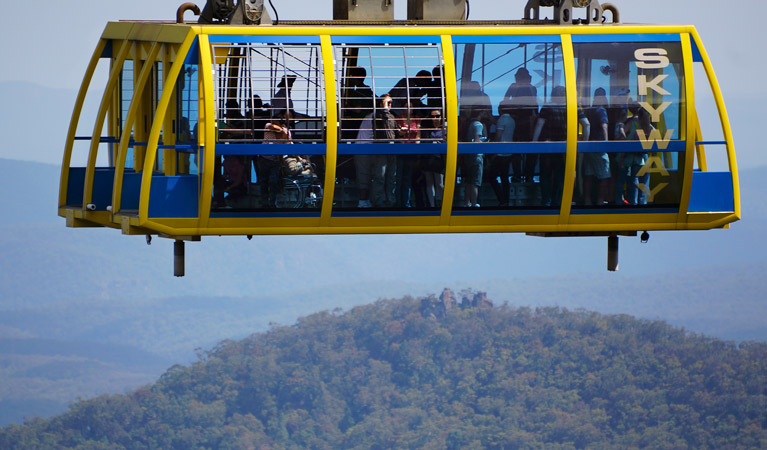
431, 374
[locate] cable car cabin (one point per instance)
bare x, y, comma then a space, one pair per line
319, 128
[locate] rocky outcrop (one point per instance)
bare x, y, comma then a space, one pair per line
471, 299
432, 306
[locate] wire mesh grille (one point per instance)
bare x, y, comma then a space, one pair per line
256, 83
410, 74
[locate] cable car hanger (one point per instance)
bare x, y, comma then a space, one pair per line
254, 12
191, 111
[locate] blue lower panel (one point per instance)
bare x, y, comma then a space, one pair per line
263, 214
505, 212
174, 196
712, 192
472, 148
75, 184
131, 190
269, 149
627, 147
399, 148
103, 183
625, 210
385, 213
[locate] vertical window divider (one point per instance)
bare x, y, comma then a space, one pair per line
112, 84
723, 117
450, 107
130, 119
331, 139
75, 120
207, 128
689, 128
572, 130
154, 135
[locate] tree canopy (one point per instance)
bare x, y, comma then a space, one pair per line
431, 374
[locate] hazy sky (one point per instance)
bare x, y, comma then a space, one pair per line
65, 40
48, 46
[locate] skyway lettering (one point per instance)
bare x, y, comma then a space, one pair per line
653, 59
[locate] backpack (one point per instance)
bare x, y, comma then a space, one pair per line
385, 126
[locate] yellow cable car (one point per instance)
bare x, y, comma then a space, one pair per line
418, 126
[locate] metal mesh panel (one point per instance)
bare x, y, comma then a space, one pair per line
410, 74
257, 82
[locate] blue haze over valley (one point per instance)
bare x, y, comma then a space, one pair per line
89, 311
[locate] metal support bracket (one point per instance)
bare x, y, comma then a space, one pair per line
216, 11
178, 258
563, 10
612, 253
235, 12
250, 12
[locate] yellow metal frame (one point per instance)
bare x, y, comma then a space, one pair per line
688, 111
208, 129
130, 121
75, 120
726, 129
451, 111
173, 58
106, 104
572, 129
331, 139
157, 123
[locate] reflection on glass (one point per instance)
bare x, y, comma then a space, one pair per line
270, 109
187, 98
501, 88
126, 95
256, 82
551, 126
633, 97
392, 137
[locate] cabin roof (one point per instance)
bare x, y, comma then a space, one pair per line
168, 31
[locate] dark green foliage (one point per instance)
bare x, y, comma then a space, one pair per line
384, 376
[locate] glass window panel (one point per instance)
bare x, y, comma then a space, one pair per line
256, 82
126, 96
156, 86
390, 94
512, 126
126, 90
187, 98
269, 96
710, 136
632, 94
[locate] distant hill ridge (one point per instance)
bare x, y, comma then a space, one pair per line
433, 373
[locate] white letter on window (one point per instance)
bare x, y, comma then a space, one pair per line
654, 84
651, 58
655, 113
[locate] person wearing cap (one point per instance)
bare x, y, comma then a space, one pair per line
524, 98
282, 103
522, 85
